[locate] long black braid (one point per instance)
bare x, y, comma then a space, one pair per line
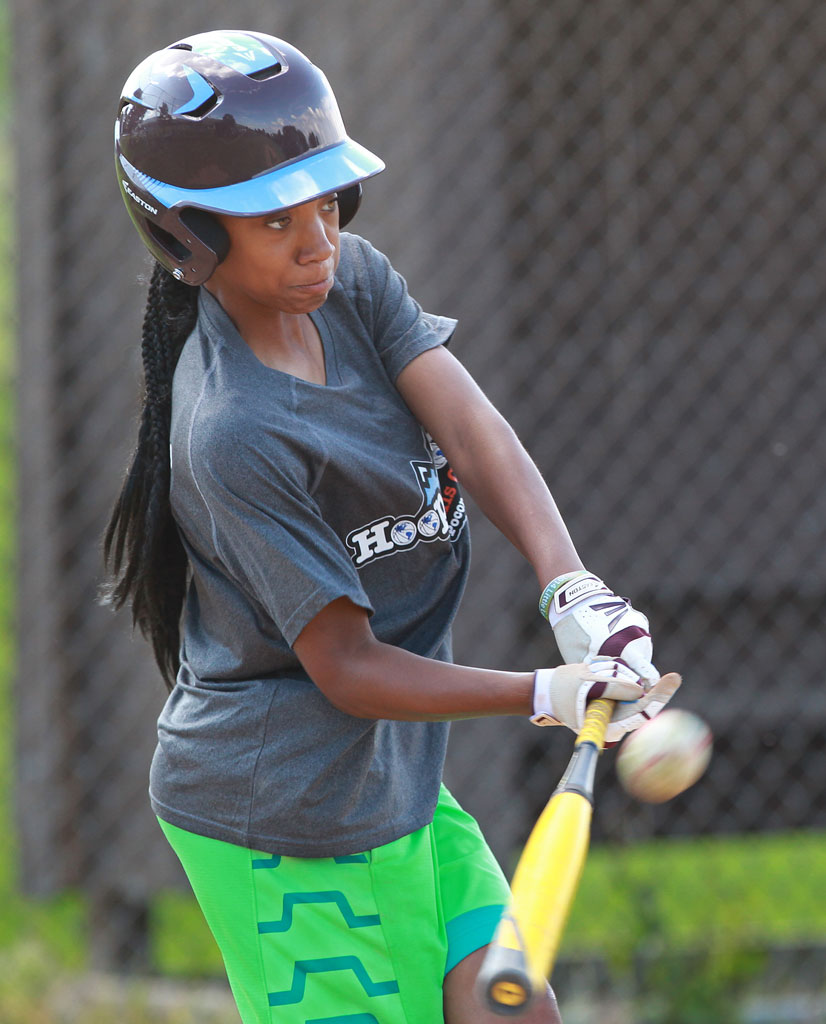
142, 546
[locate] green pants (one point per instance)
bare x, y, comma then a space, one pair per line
362, 939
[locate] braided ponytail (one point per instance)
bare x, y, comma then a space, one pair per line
142, 546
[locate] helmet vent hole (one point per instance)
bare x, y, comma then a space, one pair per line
168, 242
264, 73
181, 46
209, 104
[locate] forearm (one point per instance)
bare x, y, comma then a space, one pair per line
489, 461
370, 679
366, 678
496, 471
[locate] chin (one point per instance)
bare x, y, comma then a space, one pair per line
312, 303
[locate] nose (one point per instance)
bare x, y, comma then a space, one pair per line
315, 245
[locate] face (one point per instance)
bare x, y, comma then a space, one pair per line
283, 262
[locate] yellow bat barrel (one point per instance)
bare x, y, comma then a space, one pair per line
527, 940
545, 885
543, 891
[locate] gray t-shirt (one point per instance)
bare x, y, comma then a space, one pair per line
289, 495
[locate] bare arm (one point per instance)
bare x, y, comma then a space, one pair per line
369, 679
489, 460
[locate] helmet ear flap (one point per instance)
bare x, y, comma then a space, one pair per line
349, 200
209, 230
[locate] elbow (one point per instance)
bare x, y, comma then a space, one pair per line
353, 707
344, 679
342, 690
343, 658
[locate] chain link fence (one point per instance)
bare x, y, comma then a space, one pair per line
622, 203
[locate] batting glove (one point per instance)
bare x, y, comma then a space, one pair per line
590, 621
560, 695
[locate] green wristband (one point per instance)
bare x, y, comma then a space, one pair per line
553, 586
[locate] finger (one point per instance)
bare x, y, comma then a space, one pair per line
631, 635
617, 729
650, 673
614, 667
636, 651
641, 665
660, 694
666, 686
623, 683
616, 689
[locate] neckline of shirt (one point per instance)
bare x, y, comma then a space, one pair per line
222, 329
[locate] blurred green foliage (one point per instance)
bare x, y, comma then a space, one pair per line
744, 889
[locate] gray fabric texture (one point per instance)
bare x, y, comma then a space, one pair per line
289, 495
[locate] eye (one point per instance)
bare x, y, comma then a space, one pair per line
278, 223
330, 203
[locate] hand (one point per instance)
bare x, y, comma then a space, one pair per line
561, 695
590, 621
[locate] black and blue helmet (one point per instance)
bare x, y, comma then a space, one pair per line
228, 122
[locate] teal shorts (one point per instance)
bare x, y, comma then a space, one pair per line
362, 939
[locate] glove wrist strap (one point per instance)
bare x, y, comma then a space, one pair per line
554, 586
542, 706
564, 592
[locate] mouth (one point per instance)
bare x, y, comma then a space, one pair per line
323, 284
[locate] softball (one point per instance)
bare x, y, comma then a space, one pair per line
665, 756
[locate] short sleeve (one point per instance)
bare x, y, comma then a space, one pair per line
401, 329
269, 534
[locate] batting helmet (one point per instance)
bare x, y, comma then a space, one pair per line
228, 122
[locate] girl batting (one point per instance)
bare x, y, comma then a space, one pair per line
292, 540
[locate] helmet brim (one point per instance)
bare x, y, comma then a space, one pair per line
306, 178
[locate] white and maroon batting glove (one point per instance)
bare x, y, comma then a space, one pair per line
590, 621
561, 695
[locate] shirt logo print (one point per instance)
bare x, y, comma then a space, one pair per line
390, 534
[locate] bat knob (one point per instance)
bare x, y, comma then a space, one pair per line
503, 984
507, 997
